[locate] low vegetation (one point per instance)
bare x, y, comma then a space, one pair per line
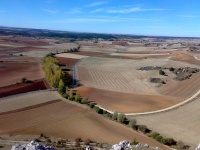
161, 72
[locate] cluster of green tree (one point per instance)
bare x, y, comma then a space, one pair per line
53, 73
71, 50
161, 72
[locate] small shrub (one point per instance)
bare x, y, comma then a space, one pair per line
41, 135
98, 110
91, 105
163, 82
71, 95
121, 118
64, 95
23, 80
171, 69
159, 138
105, 112
134, 142
180, 145
133, 123
59, 142
84, 100
109, 115
77, 97
115, 116
143, 128
154, 134
161, 72
169, 141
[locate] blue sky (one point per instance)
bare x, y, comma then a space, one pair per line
144, 17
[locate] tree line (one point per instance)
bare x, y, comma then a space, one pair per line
53, 73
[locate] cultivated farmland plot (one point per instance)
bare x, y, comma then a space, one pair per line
181, 124
50, 114
28, 99
122, 75
120, 81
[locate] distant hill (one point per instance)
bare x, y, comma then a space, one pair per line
28, 32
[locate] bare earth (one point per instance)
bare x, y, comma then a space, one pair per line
63, 119
125, 102
12, 72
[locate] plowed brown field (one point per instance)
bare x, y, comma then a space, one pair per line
185, 57
12, 72
22, 88
125, 102
66, 120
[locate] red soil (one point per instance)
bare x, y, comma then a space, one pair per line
185, 57
22, 88
120, 43
88, 53
26, 41
69, 62
123, 102
12, 72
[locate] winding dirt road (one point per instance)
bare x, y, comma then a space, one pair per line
197, 57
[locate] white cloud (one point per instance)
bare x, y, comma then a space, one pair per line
93, 20
49, 11
96, 10
188, 16
96, 4
75, 10
134, 9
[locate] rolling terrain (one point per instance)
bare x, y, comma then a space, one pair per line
54, 116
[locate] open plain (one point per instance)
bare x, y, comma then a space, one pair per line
120, 76
54, 116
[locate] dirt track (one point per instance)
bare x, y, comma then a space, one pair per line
197, 57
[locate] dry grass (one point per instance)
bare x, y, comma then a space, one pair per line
180, 124
27, 99
70, 55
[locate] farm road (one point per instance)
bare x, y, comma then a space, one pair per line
197, 57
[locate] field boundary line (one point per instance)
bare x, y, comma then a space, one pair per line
193, 97
196, 57
74, 72
21, 94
